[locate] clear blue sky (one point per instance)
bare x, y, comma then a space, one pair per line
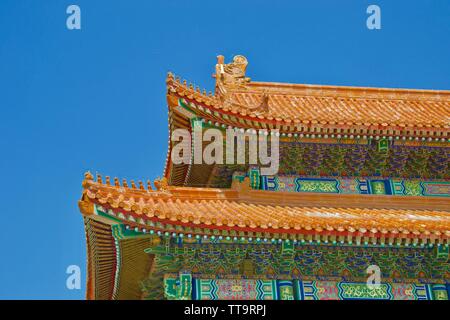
94, 99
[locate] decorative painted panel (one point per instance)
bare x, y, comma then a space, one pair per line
394, 160
342, 185
263, 289
234, 289
329, 290
312, 269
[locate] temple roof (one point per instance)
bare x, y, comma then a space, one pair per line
248, 210
302, 113
310, 105
349, 105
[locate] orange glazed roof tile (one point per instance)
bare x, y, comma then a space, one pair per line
348, 106
230, 209
316, 104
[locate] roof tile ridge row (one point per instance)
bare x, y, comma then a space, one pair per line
165, 204
161, 189
318, 219
191, 91
241, 193
175, 86
351, 91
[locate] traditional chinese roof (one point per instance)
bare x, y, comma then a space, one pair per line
316, 108
303, 113
123, 220
241, 209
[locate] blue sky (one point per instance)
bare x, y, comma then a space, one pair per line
94, 99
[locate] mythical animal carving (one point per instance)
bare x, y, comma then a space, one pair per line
230, 78
161, 184
232, 75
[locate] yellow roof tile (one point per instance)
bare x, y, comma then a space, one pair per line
319, 104
227, 208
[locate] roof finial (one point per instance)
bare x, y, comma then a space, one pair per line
88, 176
169, 76
231, 76
161, 184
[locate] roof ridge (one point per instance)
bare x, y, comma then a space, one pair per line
242, 193
394, 221
317, 108
335, 88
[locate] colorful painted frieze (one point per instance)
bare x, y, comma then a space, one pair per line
342, 185
176, 287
